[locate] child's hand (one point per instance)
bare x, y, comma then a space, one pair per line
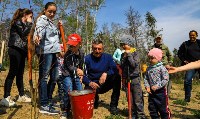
81, 78
79, 72
37, 39
148, 89
154, 88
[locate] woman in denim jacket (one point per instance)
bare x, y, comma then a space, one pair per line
20, 27
46, 38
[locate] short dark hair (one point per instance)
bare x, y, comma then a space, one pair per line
97, 41
193, 31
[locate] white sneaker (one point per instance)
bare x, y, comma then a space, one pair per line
8, 102
24, 98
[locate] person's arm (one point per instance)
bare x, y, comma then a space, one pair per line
21, 30
164, 77
189, 66
117, 56
146, 83
112, 68
40, 27
181, 52
133, 60
69, 63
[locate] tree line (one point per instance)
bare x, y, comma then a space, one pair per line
79, 16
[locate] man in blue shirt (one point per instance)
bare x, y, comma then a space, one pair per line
101, 74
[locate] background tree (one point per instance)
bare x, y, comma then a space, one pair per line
151, 29
134, 23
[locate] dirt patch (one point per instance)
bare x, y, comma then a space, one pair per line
24, 110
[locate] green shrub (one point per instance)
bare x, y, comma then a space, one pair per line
196, 113
180, 102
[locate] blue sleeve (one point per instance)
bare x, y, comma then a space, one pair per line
112, 66
86, 80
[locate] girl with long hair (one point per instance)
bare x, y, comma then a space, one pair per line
21, 24
46, 38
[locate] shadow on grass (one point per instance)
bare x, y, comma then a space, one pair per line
14, 111
178, 114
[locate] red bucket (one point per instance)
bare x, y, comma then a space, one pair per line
82, 104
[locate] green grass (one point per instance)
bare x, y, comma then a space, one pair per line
114, 117
180, 102
196, 113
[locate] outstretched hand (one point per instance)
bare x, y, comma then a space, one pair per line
172, 70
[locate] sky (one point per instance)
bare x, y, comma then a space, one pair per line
175, 17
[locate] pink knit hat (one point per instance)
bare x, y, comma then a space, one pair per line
157, 53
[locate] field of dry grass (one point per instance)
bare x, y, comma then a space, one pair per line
179, 109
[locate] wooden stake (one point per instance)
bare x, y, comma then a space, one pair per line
2, 52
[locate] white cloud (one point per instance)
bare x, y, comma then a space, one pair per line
177, 20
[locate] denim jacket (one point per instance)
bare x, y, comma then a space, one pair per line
49, 35
18, 35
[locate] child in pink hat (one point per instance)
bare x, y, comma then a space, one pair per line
155, 83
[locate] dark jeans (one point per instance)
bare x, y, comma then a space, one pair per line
17, 64
158, 103
48, 65
112, 82
188, 82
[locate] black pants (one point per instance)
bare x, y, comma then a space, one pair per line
158, 103
112, 82
17, 64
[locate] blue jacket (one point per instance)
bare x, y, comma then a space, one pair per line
96, 66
